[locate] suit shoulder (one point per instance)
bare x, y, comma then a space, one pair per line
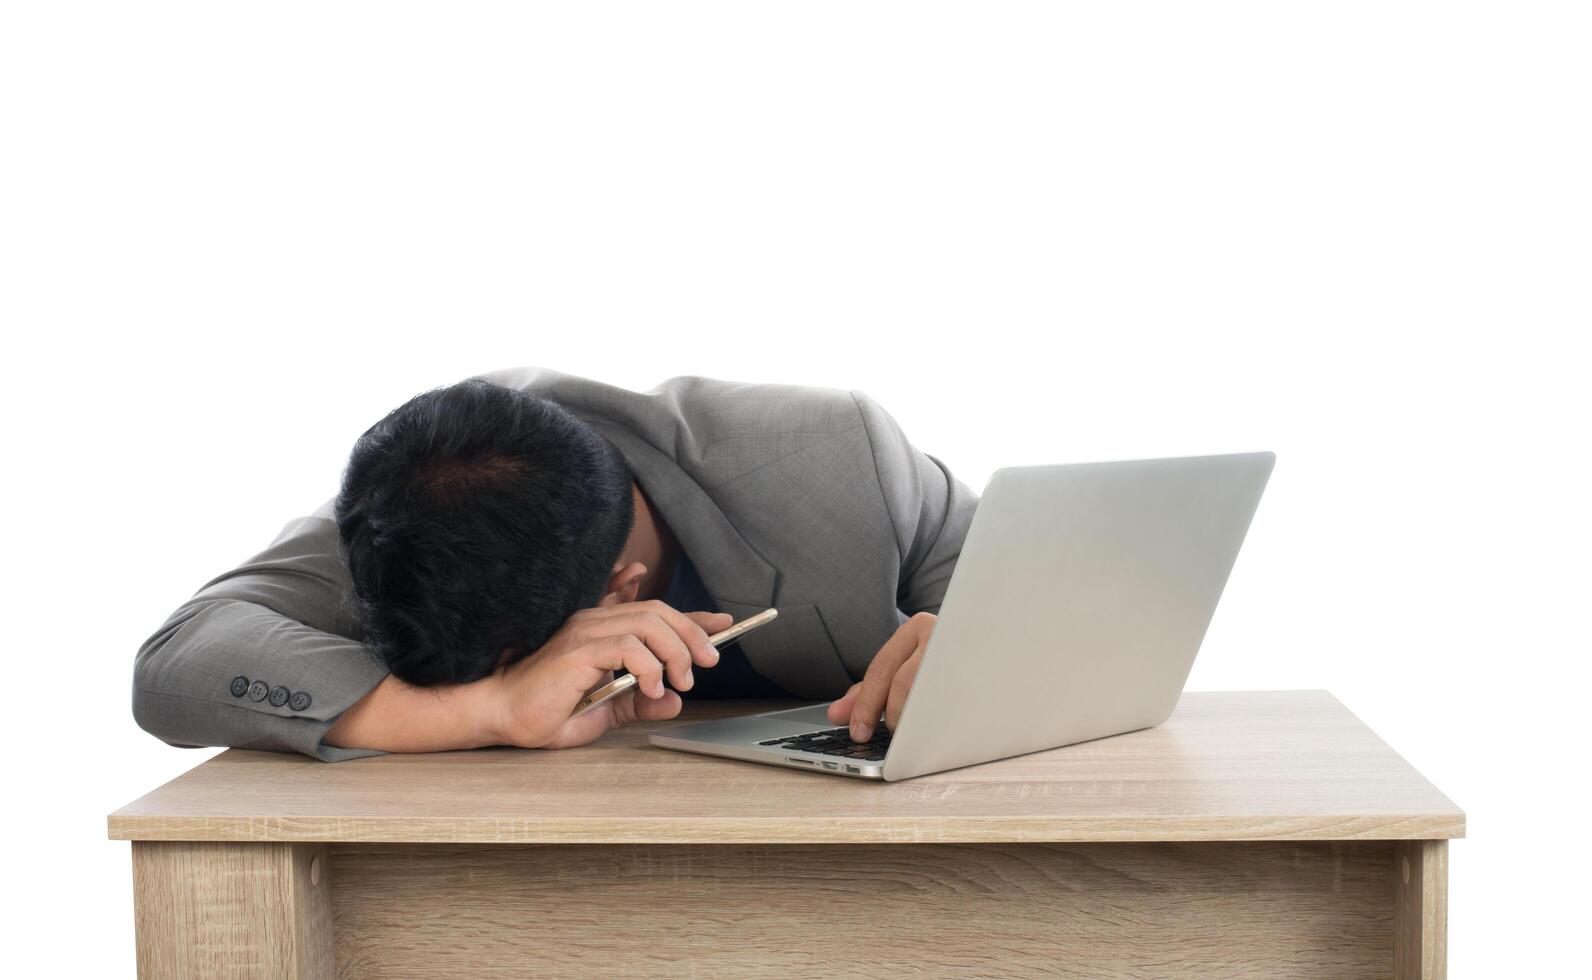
761, 408
716, 429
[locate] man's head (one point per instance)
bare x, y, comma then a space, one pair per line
474, 519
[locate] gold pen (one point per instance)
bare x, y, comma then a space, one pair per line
620, 685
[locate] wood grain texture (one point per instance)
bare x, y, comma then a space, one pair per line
234, 910
1421, 900
1101, 911
1227, 766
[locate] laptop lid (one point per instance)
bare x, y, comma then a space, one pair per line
1080, 598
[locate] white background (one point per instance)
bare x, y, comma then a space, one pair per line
232, 235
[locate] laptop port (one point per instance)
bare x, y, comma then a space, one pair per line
854, 770
830, 765
804, 762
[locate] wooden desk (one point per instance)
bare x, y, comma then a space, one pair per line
1263, 834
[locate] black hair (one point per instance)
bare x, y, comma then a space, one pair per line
476, 518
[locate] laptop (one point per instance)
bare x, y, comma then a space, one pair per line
1080, 598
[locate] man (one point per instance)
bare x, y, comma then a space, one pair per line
500, 547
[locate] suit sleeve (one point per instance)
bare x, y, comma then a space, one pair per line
929, 508
282, 619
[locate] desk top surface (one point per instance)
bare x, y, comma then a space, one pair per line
1260, 765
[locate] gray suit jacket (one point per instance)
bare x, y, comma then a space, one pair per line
808, 499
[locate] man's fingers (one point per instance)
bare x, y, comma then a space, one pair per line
632, 706
693, 629
654, 709
875, 688
676, 638
900, 687
640, 660
628, 652
587, 727
628, 707
659, 636
840, 709
919, 628
711, 623
869, 702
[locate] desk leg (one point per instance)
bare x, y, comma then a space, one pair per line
1420, 937
239, 910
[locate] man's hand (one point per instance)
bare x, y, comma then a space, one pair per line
528, 703
883, 689
649, 639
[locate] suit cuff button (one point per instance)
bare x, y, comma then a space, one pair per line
240, 686
299, 701
258, 690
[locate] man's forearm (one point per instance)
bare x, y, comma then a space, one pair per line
398, 717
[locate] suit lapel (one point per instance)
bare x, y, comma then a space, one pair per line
794, 652
732, 571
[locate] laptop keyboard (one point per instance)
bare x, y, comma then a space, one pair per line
836, 742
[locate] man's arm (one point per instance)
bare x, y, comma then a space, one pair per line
278, 628
929, 508
931, 512
531, 703
284, 620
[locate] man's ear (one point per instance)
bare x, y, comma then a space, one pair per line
624, 584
